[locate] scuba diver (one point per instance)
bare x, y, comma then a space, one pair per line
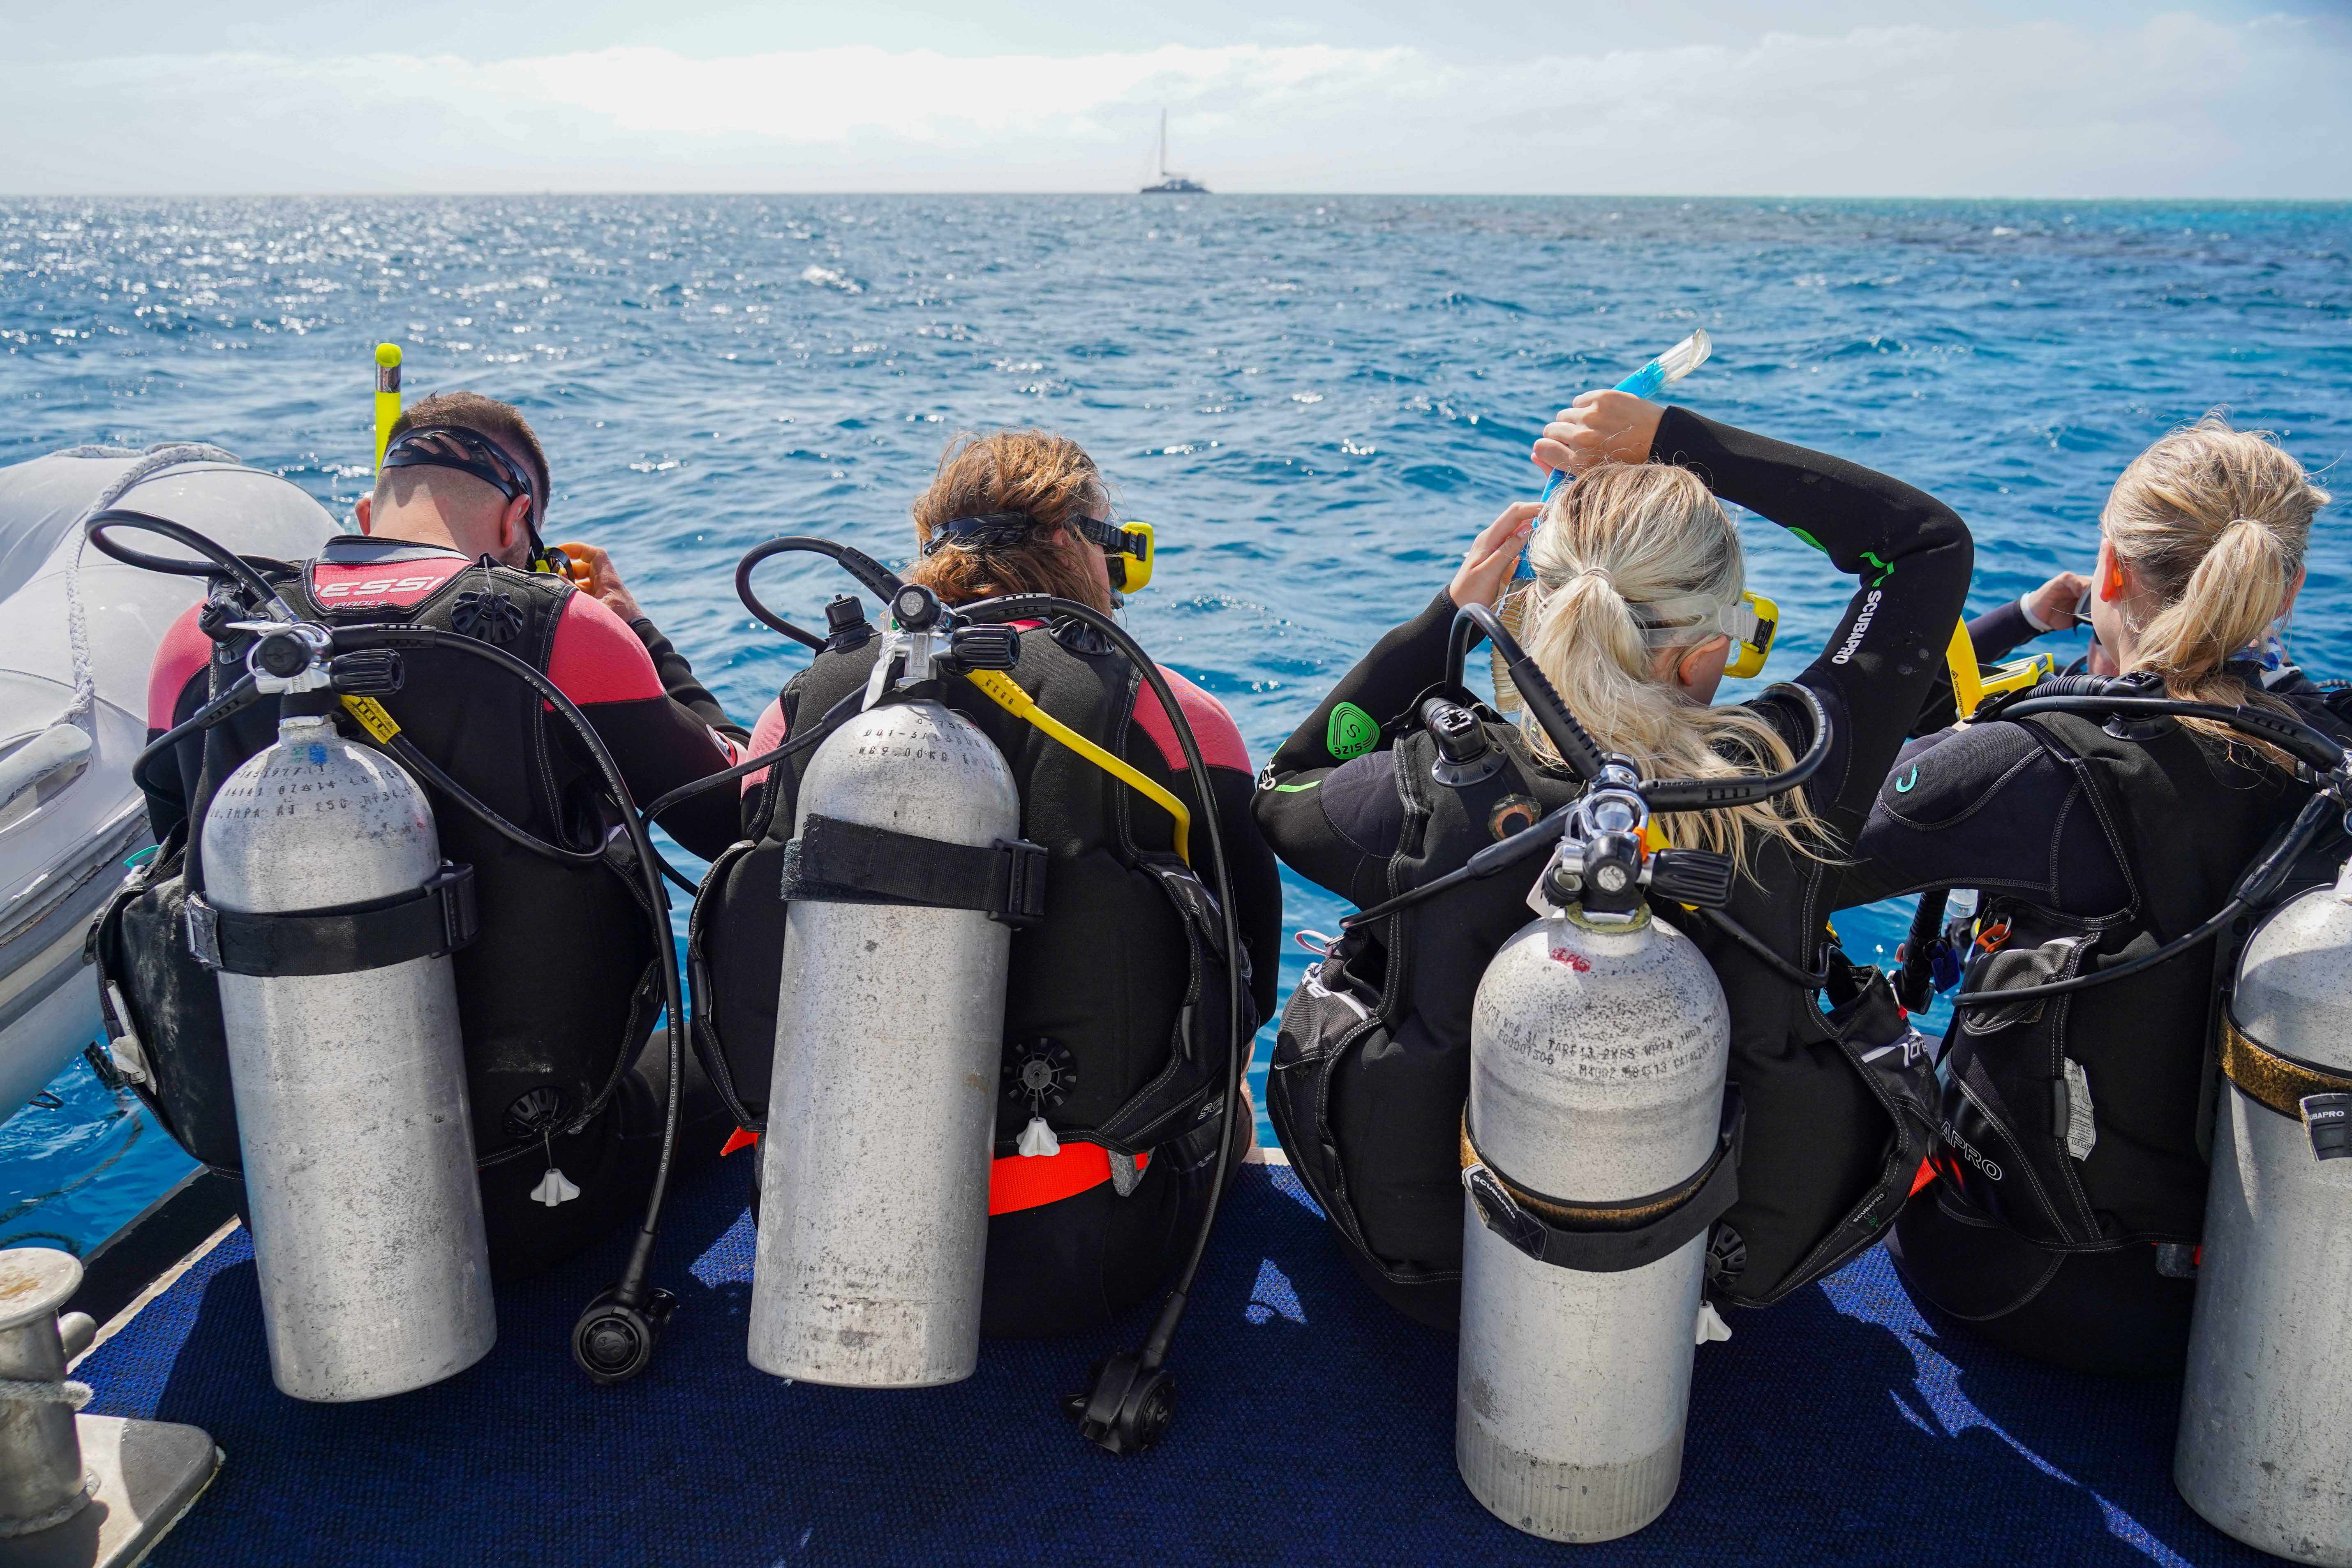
2066, 1220
1114, 1033
559, 991
1638, 607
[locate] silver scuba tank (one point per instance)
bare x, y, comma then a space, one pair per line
350, 1083
2266, 1445
1594, 1147
889, 1024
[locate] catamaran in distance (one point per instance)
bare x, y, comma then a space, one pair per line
1172, 184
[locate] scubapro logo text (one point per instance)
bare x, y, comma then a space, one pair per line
1861, 625
1968, 1152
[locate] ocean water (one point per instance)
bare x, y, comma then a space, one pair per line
1317, 400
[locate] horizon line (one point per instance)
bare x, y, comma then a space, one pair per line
2209, 199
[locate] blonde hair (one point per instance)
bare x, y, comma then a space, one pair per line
2214, 521
1628, 534
1045, 477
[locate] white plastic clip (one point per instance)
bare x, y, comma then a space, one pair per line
555, 1189
1711, 1325
1037, 1141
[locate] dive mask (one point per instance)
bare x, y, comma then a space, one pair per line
1750, 622
471, 453
1127, 545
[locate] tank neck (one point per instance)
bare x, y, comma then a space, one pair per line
295, 727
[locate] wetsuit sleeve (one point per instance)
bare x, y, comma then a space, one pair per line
1912, 555
1987, 806
1328, 803
1997, 634
175, 689
658, 743
1401, 666
1256, 891
678, 680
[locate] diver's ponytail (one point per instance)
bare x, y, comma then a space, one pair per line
2214, 522
1625, 535
2228, 603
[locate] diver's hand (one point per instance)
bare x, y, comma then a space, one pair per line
592, 572
1492, 555
1600, 427
2051, 605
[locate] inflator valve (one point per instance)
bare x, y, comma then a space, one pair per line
846, 627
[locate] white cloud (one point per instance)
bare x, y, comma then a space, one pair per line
2180, 105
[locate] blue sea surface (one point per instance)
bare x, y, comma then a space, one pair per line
1316, 400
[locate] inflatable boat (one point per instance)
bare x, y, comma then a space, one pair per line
77, 634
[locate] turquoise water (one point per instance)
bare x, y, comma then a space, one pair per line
1319, 400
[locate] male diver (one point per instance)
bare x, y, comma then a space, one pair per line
558, 992
1112, 1078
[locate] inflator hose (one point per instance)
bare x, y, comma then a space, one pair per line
1026, 607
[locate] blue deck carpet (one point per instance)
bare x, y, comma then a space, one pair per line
1314, 1427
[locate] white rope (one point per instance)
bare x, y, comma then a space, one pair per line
40, 1391
152, 461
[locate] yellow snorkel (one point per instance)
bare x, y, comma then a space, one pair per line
387, 397
1973, 684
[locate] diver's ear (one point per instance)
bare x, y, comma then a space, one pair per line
363, 509
1692, 671
514, 525
2114, 575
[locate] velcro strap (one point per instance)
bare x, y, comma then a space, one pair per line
2279, 1082
427, 923
837, 862
1609, 1238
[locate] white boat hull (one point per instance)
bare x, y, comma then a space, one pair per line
70, 816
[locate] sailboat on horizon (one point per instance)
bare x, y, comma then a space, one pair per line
1172, 184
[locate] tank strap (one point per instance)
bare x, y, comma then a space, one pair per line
429, 922
837, 862
1609, 1238
2279, 1083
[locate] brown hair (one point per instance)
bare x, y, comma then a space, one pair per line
2214, 521
487, 417
1045, 477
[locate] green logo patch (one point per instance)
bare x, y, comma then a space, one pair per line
1351, 733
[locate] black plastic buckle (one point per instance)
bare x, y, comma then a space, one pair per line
2327, 1117
1501, 1214
1024, 903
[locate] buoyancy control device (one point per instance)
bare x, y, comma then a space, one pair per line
1599, 1145
2264, 1449
314, 918
904, 884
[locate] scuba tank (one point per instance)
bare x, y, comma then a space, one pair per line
339, 1013
906, 875
2265, 1446
329, 917
1599, 1145
904, 882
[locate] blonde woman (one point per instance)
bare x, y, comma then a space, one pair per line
1640, 576
2065, 1221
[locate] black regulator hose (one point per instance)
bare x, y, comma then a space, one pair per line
1473, 622
218, 559
614, 1338
1131, 1400
857, 562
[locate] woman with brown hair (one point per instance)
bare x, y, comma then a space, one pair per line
1106, 1128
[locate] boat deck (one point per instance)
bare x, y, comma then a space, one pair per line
1314, 1427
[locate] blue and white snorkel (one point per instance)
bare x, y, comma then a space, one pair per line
1645, 383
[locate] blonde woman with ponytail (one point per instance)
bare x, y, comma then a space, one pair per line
1639, 583
2065, 1215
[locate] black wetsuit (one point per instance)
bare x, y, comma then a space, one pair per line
2072, 1190
1821, 1139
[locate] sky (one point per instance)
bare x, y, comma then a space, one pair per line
1958, 98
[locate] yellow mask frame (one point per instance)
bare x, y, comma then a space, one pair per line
1751, 623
